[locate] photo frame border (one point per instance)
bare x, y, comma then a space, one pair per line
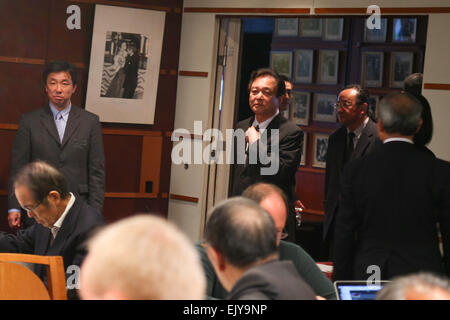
278, 52
301, 121
316, 116
315, 163
372, 84
311, 66
336, 68
277, 30
392, 82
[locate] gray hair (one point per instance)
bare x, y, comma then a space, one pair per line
400, 113
242, 231
421, 282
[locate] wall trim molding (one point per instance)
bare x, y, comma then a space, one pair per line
200, 74
437, 86
183, 198
248, 10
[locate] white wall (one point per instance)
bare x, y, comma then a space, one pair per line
193, 95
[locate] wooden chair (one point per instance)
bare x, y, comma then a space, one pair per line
17, 282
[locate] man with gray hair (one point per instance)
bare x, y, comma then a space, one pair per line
139, 258
420, 286
64, 221
242, 247
391, 203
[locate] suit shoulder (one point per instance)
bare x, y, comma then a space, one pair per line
244, 123
86, 114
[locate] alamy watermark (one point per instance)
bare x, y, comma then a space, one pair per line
233, 149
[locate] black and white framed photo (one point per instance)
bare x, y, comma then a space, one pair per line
300, 109
372, 69
401, 67
281, 62
303, 66
304, 149
125, 62
310, 27
404, 30
320, 147
333, 29
328, 66
286, 27
323, 109
376, 35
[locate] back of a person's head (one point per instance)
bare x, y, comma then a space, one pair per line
142, 257
413, 84
242, 231
400, 113
419, 286
261, 190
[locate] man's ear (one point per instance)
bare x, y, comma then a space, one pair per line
216, 258
364, 107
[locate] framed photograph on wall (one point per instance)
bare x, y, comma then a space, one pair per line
404, 30
303, 66
333, 29
310, 27
125, 62
372, 104
281, 62
320, 147
372, 69
300, 110
323, 109
401, 67
286, 27
304, 149
328, 66
376, 35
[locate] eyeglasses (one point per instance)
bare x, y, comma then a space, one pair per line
265, 92
346, 105
32, 209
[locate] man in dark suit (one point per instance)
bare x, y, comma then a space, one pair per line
63, 219
242, 241
271, 143
64, 135
392, 201
131, 72
356, 137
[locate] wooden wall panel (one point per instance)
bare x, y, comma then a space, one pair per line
24, 31
6, 141
116, 209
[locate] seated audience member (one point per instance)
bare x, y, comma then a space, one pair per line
242, 247
413, 85
419, 286
272, 199
141, 257
63, 220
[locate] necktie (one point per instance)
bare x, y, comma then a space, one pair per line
350, 145
59, 121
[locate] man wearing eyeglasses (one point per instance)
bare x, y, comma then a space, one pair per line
357, 137
64, 220
266, 93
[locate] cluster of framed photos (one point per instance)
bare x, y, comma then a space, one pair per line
319, 149
401, 66
403, 30
329, 29
323, 107
302, 72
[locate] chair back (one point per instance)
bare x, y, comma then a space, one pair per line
19, 282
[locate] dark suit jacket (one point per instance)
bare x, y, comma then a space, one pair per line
391, 201
367, 143
274, 280
80, 157
290, 151
69, 242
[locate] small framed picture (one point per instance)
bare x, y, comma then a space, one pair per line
286, 27
310, 27
376, 35
372, 105
300, 110
303, 66
304, 148
324, 107
328, 66
401, 67
320, 147
281, 62
372, 69
404, 30
333, 29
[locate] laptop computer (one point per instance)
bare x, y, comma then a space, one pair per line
358, 290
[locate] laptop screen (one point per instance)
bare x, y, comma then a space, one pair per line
357, 290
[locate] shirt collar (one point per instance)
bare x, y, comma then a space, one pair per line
60, 221
64, 112
358, 131
398, 139
263, 125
